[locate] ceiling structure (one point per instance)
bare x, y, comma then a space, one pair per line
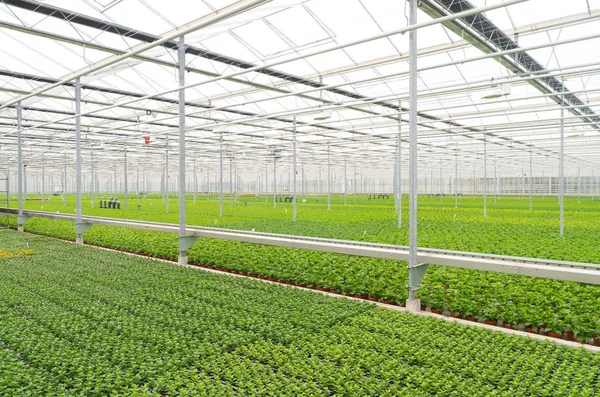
491, 83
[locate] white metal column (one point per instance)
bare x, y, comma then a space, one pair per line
125, 190
399, 167
167, 176
20, 218
185, 242
416, 271
44, 181
221, 173
80, 227
345, 181
485, 180
456, 175
531, 180
137, 179
64, 188
328, 177
230, 180
93, 176
561, 165
294, 170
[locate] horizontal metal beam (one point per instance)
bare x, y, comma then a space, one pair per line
586, 273
223, 14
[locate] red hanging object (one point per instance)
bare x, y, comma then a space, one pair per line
146, 140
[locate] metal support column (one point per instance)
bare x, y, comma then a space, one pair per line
531, 180
20, 219
294, 170
485, 184
137, 180
274, 181
416, 271
221, 174
185, 242
115, 185
64, 188
80, 227
456, 175
399, 167
125, 187
328, 177
195, 182
345, 181
43, 181
167, 177
561, 165
230, 180
93, 176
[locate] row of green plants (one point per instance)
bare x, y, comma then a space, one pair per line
520, 302
108, 324
508, 229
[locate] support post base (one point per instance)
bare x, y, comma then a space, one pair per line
80, 228
21, 219
182, 260
413, 305
185, 242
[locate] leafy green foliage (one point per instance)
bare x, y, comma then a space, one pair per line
510, 229
77, 321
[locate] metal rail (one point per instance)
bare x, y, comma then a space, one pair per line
587, 273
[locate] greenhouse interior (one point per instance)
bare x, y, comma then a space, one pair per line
300, 198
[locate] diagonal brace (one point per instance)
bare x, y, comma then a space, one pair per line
185, 242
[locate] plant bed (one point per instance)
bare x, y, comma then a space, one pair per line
552, 334
583, 330
122, 325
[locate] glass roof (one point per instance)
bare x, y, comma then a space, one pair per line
252, 74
